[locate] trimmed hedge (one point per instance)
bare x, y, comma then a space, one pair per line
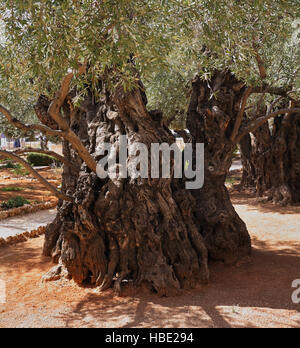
16, 202
40, 160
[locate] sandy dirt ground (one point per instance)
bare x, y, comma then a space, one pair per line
31, 189
253, 294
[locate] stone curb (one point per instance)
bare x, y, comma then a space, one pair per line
26, 209
23, 237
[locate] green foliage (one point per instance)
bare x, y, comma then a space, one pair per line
228, 35
236, 152
16, 202
169, 92
10, 165
20, 100
44, 39
11, 189
20, 170
40, 160
167, 42
232, 180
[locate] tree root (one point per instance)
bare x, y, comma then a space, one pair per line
55, 273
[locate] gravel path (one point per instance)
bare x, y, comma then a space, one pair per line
25, 223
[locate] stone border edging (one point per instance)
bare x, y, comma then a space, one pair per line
23, 237
26, 209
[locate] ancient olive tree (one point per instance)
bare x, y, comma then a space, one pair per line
271, 159
258, 42
87, 61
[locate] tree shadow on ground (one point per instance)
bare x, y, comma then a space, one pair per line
229, 300
262, 287
23, 256
250, 199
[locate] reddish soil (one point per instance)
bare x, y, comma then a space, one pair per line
32, 190
253, 294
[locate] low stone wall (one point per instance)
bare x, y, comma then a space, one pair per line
22, 237
26, 209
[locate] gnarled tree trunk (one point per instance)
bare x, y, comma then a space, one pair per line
211, 119
151, 231
134, 228
274, 158
248, 175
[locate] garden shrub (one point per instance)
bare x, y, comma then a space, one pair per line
15, 202
10, 165
40, 160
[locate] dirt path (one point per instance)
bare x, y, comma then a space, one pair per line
257, 294
26, 223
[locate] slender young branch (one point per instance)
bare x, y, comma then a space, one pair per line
61, 95
271, 90
55, 114
35, 174
49, 153
57, 102
259, 104
66, 133
260, 64
274, 103
81, 150
239, 117
26, 127
255, 124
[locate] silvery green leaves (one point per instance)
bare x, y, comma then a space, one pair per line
47, 38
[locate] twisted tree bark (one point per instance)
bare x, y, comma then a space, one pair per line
214, 112
274, 156
134, 228
150, 231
